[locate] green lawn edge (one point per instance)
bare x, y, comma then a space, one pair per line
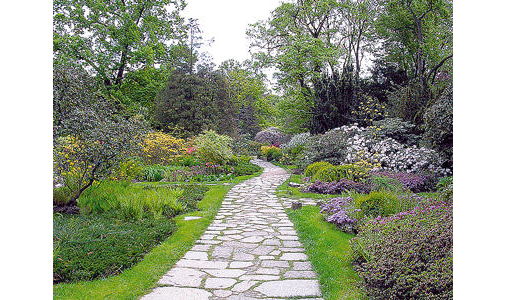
327, 248
141, 278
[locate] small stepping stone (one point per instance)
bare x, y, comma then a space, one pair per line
189, 218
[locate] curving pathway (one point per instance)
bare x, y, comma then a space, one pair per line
250, 251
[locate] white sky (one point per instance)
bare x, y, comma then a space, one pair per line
226, 21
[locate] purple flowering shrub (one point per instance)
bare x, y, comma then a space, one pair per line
415, 182
337, 187
407, 255
339, 211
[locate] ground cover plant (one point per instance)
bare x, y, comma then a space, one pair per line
119, 224
407, 255
95, 247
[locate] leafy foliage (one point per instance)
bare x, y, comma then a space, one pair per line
162, 148
330, 147
271, 153
213, 147
195, 102
315, 167
408, 255
89, 135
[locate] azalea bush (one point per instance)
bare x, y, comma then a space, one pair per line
392, 155
162, 148
335, 173
408, 255
271, 153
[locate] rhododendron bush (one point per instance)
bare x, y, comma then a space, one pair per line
362, 144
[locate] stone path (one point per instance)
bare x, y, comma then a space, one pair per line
250, 251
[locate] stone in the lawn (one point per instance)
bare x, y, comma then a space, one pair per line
177, 293
288, 238
292, 244
183, 277
219, 283
294, 184
289, 288
296, 205
189, 218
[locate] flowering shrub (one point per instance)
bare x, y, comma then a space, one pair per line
162, 148
415, 182
338, 211
370, 110
271, 153
444, 189
297, 141
330, 146
397, 129
408, 255
213, 147
335, 173
337, 187
271, 136
392, 155
127, 170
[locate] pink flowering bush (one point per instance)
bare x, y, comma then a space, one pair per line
407, 255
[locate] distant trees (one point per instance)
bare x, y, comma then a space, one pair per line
195, 102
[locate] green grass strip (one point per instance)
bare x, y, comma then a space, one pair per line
140, 279
329, 251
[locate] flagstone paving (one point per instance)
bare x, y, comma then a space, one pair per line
250, 251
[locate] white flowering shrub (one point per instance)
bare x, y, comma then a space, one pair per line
299, 140
363, 144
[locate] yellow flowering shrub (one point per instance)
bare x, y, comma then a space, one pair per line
366, 165
69, 163
162, 148
370, 110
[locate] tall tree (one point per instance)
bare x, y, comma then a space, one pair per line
417, 36
195, 102
112, 37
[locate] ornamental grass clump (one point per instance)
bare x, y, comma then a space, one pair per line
408, 255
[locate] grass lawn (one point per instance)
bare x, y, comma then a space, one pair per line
141, 278
329, 252
328, 248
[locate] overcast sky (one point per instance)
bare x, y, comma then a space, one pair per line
226, 21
